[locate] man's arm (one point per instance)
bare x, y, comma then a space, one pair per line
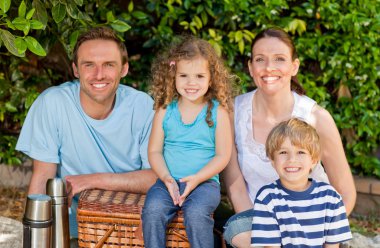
135, 181
42, 171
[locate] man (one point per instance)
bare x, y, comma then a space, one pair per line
92, 132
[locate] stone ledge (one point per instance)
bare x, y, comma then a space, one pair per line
367, 185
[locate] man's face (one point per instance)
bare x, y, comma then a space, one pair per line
99, 69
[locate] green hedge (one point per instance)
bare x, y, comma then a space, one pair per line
337, 41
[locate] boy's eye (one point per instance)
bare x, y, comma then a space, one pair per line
200, 76
282, 152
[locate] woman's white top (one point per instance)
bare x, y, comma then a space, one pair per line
254, 164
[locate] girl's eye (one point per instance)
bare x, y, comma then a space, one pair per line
200, 76
301, 152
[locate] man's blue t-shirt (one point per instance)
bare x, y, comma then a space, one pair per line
57, 130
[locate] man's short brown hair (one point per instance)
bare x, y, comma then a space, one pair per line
299, 133
100, 33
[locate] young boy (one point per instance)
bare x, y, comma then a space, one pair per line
296, 211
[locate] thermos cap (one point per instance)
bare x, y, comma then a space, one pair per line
38, 207
55, 187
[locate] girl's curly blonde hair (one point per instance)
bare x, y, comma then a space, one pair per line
164, 69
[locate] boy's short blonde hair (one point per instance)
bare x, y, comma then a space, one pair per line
300, 134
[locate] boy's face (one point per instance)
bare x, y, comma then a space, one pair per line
293, 165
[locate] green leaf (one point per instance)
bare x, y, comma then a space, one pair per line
34, 24
9, 42
238, 36
58, 12
212, 32
20, 45
10, 25
72, 10
22, 9
9, 107
198, 22
5, 5
34, 46
73, 38
130, 7
30, 14
21, 24
120, 26
41, 13
110, 16
241, 46
139, 15
79, 2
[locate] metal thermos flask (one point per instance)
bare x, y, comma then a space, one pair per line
37, 222
56, 189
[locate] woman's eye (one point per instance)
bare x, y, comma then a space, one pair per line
280, 59
259, 59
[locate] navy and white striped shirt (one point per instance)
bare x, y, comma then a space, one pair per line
309, 218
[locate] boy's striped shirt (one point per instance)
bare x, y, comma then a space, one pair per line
299, 219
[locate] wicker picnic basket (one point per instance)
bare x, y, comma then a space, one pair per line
113, 219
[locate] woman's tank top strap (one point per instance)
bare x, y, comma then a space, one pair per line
303, 106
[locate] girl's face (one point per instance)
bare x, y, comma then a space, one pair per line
192, 79
272, 66
293, 164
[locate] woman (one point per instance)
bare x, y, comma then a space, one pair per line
278, 97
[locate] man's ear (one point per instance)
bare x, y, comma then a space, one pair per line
124, 69
75, 70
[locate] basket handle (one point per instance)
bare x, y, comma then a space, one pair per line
176, 233
105, 237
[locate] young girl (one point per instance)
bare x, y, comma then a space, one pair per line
190, 142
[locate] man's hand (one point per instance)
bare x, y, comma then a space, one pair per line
173, 189
191, 183
77, 183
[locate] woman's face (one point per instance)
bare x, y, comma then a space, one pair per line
271, 66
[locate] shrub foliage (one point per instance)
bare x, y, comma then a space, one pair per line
337, 41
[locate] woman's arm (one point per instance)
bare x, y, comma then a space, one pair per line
234, 180
333, 157
223, 144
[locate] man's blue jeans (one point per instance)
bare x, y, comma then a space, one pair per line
159, 210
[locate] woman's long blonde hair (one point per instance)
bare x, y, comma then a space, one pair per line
164, 70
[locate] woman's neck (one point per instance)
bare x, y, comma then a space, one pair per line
276, 107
